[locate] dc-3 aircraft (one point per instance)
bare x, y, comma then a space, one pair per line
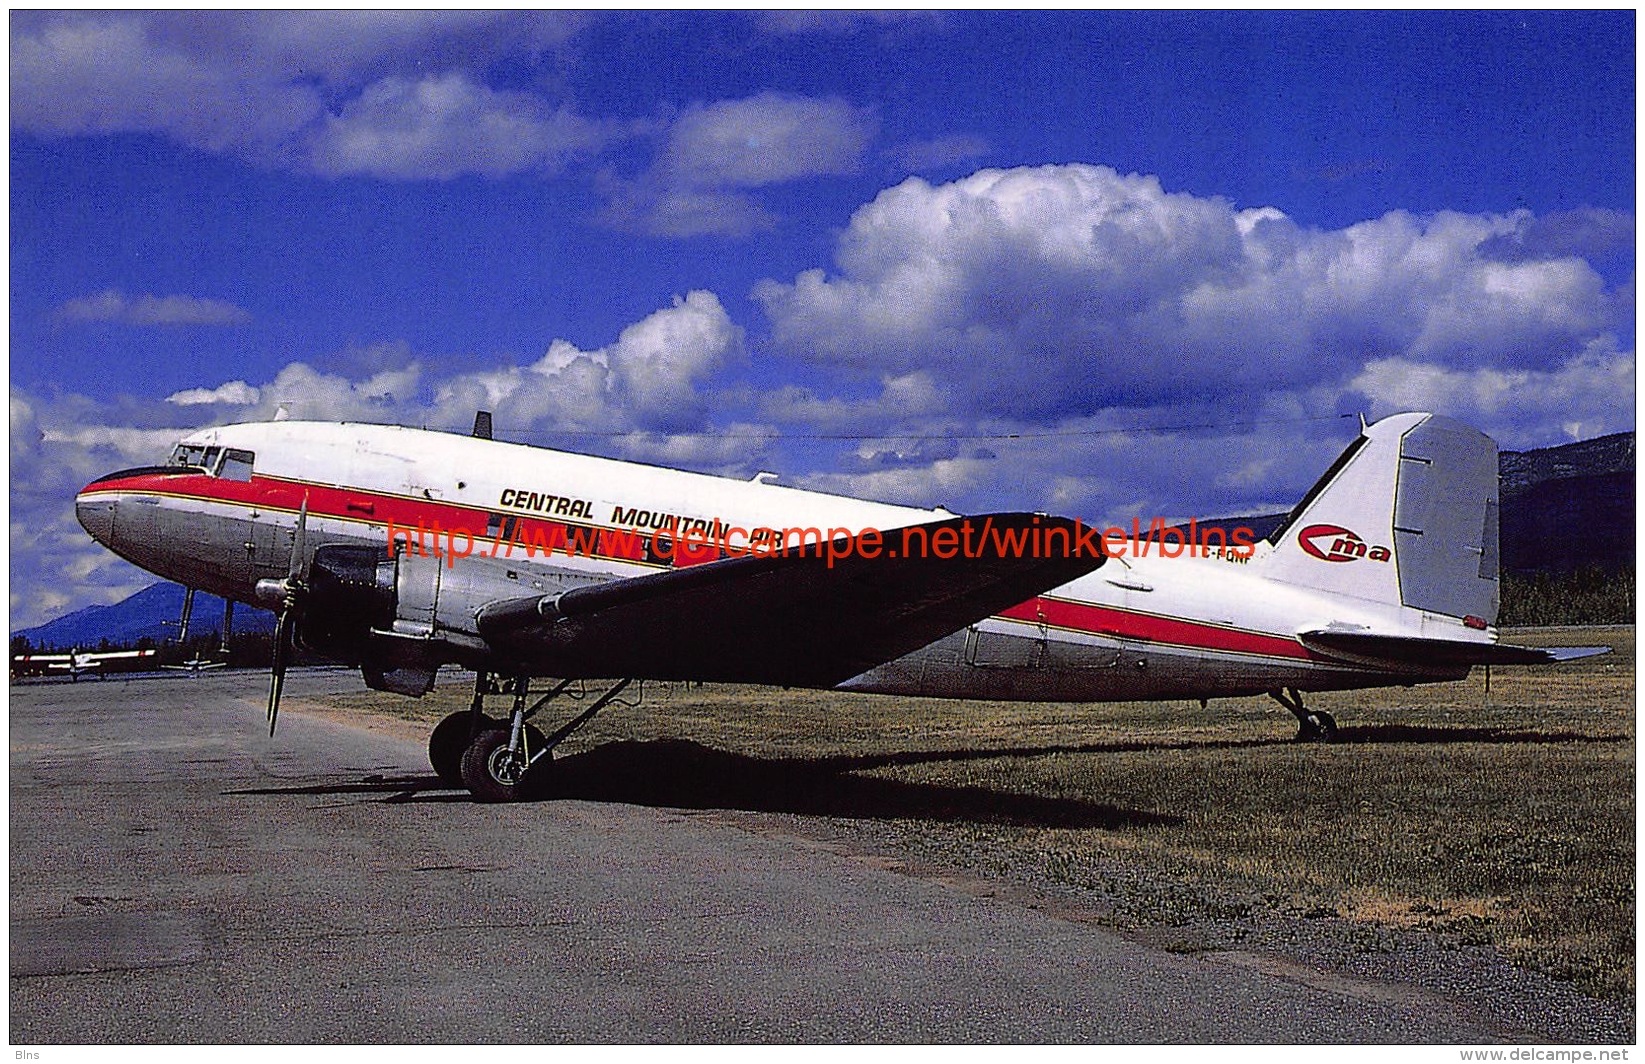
78, 661
400, 550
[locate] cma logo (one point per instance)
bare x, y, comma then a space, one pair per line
1333, 543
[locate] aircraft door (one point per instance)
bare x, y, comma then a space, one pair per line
1130, 599
267, 549
994, 644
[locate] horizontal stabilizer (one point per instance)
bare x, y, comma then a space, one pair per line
1414, 650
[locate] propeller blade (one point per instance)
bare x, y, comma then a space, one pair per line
288, 616
277, 674
298, 539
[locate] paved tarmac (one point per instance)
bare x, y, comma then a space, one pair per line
177, 876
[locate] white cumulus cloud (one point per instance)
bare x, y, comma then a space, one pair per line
396, 94
647, 380
234, 393
1590, 395
111, 305
717, 154
1061, 291
444, 126
766, 139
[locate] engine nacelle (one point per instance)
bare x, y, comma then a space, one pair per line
401, 618
350, 595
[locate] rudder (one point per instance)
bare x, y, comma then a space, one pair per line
1407, 515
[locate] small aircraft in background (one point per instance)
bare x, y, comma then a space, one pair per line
401, 550
77, 661
195, 666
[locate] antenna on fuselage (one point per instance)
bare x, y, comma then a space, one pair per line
482, 424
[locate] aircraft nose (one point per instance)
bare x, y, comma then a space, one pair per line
95, 513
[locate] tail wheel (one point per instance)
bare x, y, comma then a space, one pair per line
1313, 725
1320, 727
493, 773
448, 741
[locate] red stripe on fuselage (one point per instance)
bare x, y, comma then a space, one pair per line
406, 515
274, 493
1093, 619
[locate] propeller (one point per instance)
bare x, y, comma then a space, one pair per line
291, 593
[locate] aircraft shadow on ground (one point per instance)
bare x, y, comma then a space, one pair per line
677, 773
686, 775
1351, 735
683, 774
1444, 733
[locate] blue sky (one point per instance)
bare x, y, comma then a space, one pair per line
852, 248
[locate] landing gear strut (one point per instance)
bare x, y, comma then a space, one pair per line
1314, 725
504, 760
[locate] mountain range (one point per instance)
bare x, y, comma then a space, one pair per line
151, 613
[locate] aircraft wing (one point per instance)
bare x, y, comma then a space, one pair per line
29, 659
1414, 650
812, 618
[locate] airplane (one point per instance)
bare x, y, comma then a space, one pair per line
401, 550
195, 666
77, 661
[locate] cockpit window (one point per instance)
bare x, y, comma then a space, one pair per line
237, 464
230, 463
188, 454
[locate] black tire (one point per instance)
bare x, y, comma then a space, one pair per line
1327, 727
492, 775
449, 739
1320, 727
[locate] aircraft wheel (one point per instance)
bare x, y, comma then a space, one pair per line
1318, 727
448, 741
493, 774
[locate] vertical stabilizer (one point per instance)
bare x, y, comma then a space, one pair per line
1407, 516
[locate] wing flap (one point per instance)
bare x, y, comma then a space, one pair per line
810, 618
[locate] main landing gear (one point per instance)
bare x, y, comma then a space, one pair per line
1315, 725
503, 760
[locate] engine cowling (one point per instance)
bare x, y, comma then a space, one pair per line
401, 618
351, 593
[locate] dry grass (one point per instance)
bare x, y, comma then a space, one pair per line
1506, 819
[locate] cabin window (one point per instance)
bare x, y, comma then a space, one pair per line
237, 464
209, 459
501, 526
